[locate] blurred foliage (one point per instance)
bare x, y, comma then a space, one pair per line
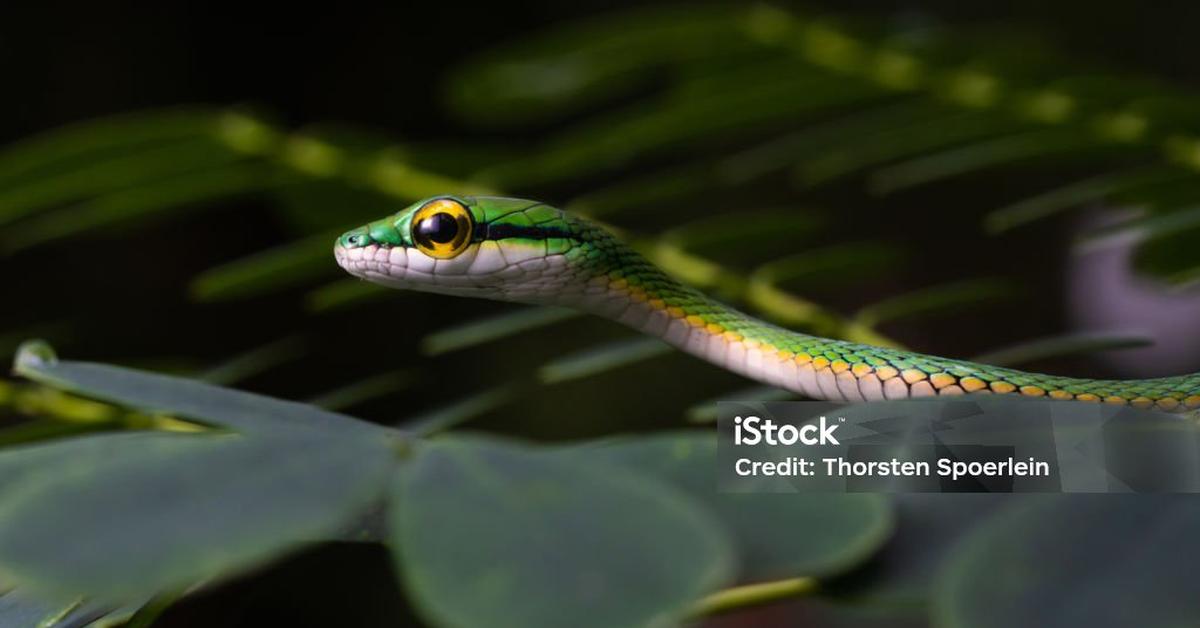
721, 141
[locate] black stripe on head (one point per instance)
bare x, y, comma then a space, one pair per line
531, 232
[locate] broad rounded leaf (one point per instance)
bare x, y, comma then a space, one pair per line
123, 515
182, 397
20, 609
778, 535
1078, 560
927, 527
494, 534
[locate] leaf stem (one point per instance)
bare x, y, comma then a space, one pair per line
753, 594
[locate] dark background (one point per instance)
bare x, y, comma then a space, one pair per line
379, 66
372, 63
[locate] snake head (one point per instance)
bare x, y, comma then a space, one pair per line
490, 247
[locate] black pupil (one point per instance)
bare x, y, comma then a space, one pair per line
440, 228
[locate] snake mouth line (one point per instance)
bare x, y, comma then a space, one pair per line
371, 260
393, 266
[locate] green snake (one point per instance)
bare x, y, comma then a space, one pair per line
523, 251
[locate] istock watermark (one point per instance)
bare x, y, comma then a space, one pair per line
752, 430
985, 445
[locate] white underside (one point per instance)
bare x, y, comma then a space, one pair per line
755, 361
488, 271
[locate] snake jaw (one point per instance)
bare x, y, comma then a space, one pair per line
489, 271
409, 269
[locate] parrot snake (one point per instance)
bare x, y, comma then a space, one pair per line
528, 252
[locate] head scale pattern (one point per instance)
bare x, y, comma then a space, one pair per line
487, 247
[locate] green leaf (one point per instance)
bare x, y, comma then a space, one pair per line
492, 328
826, 264
706, 411
18, 608
283, 266
1065, 560
928, 527
493, 534
181, 397
741, 597
108, 176
646, 190
345, 293
142, 615
838, 262
95, 214
1150, 226
918, 139
59, 330
740, 104
306, 202
941, 299
861, 128
742, 230
776, 535
460, 411
569, 66
1072, 195
395, 177
972, 157
255, 361
691, 269
126, 515
602, 358
1173, 258
73, 145
50, 428
1059, 346
374, 387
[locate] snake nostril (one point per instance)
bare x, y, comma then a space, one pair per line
354, 240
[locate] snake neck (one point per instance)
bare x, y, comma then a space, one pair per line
639, 295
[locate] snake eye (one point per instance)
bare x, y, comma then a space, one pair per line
442, 228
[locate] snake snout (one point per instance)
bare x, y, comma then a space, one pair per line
354, 249
355, 238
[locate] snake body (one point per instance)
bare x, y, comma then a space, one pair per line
524, 251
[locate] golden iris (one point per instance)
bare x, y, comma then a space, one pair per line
442, 228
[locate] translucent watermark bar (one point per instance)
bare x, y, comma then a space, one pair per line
986, 444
